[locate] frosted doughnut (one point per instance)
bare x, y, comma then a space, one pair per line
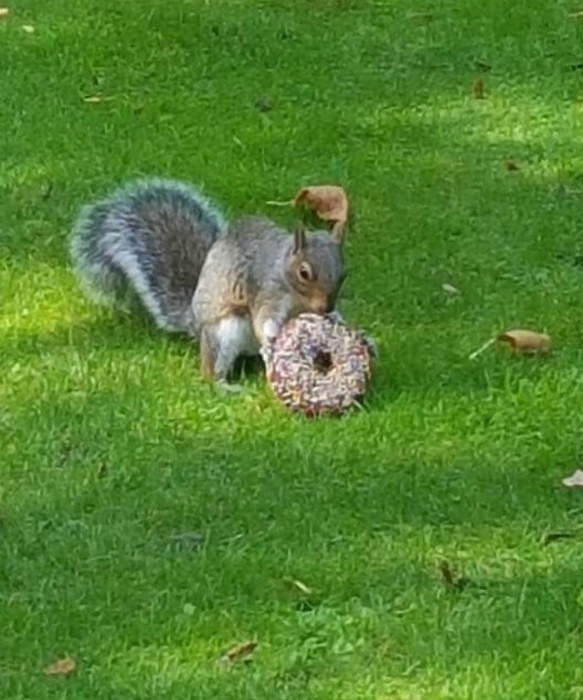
318, 365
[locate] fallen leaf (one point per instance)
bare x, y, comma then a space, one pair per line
102, 470
526, 341
241, 652
329, 202
576, 479
510, 165
4, 12
478, 89
299, 585
28, 28
577, 15
450, 289
62, 667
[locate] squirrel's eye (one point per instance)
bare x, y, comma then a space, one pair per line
305, 272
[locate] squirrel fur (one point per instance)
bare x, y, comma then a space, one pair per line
232, 286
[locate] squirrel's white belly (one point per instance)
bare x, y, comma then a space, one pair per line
236, 333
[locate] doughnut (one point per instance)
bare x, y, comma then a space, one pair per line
318, 365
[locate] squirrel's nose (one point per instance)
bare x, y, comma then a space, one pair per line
324, 304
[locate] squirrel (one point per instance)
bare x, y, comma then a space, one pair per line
232, 286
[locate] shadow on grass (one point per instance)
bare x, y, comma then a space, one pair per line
93, 567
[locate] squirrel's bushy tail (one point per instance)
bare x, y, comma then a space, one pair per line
151, 238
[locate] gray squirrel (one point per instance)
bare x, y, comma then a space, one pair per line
232, 286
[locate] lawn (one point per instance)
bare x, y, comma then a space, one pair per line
149, 523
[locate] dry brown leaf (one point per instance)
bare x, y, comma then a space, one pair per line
28, 28
526, 341
62, 667
576, 479
329, 202
241, 652
478, 89
4, 12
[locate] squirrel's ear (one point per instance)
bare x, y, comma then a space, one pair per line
338, 231
300, 242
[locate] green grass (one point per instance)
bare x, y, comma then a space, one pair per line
112, 447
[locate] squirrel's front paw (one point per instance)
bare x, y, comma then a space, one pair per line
271, 329
266, 352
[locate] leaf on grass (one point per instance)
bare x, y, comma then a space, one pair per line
28, 28
242, 652
328, 202
526, 341
4, 12
576, 479
577, 15
62, 667
450, 289
478, 89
